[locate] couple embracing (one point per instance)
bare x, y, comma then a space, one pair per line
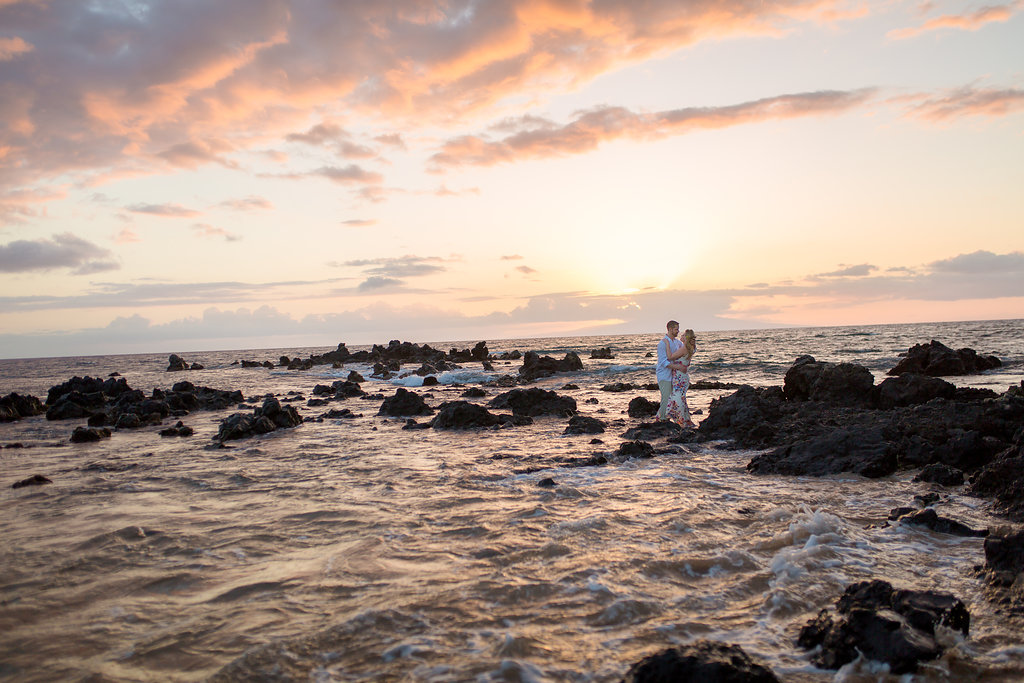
673, 374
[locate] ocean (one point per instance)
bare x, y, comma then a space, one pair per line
352, 549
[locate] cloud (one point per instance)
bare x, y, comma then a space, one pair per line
399, 267
851, 271
319, 134
376, 283
62, 251
195, 153
127, 236
247, 204
359, 222
348, 174
391, 139
525, 270
443, 191
967, 22
328, 134
102, 90
11, 48
969, 101
945, 283
164, 210
982, 263
512, 257
591, 128
207, 230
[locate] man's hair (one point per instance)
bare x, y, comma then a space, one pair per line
671, 323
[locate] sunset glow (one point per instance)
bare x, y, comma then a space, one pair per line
184, 175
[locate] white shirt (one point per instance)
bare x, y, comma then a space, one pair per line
666, 346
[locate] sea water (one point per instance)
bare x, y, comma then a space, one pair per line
356, 550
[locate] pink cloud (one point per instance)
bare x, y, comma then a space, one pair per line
966, 22
589, 129
116, 91
969, 101
164, 210
10, 48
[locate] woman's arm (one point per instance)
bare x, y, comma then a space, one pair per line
679, 353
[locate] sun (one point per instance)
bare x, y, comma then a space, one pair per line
619, 267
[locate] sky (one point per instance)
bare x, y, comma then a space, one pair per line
186, 175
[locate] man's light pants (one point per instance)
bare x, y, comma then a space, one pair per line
666, 393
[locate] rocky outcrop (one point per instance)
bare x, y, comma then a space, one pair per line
642, 407
703, 660
1003, 479
14, 406
930, 519
465, 415
267, 418
404, 403
909, 390
536, 366
943, 475
580, 424
89, 434
884, 624
534, 402
340, 389
180, 429
34, 480
176, 363
653, 430
604, 353
477, 353
1004, 567
844, 384
113, 401
938, 360
812, 426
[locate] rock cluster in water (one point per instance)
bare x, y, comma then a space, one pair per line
703, 660
264, 419
831, 417
113, 402
938, 360
897, 627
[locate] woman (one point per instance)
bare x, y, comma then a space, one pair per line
678, 410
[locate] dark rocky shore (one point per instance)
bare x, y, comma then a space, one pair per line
826, 418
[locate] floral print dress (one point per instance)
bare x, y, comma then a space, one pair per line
678, 410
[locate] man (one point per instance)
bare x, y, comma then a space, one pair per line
668, 347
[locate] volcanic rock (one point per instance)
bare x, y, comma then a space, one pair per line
14, 406
911, 389
930, 519
404, 403
703, 660
89, 434
938, 360
536, 366
34, 480
842, 384
533, 402
464, 415
941, 474
579, 424
896, 627
643, 407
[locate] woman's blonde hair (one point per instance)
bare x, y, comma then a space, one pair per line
690, 337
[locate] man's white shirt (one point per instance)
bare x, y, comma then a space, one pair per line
666, 346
